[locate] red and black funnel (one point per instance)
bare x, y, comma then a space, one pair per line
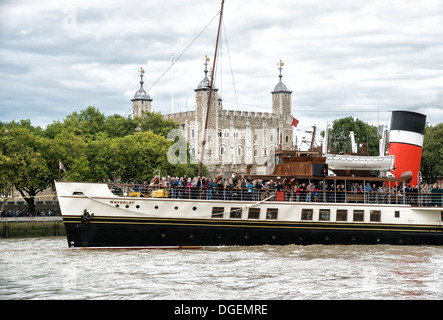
406, 143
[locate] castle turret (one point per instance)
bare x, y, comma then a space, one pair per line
281, 96
281, 107
142, 100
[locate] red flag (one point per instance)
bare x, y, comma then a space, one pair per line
60, 166
294, 122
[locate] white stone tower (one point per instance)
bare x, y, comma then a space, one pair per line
142, 100
281, 96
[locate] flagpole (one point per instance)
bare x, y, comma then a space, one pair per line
59, 169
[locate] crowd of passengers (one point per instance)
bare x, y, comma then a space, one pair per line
308, 191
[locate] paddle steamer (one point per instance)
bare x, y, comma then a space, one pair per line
96, 217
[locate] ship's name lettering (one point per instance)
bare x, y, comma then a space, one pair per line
121, 202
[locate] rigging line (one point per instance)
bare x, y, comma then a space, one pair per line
184, 51
230, 64
181, 54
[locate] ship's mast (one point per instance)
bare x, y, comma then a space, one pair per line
210, 91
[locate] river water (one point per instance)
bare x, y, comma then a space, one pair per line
44, 268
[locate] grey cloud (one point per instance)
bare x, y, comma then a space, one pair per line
338, 55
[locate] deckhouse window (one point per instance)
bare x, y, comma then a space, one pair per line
254, 213
342, 215
359, 215
217, 212
375, 216
324, 214
271, 214
235, 213
306, 214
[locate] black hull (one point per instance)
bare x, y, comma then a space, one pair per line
139, 233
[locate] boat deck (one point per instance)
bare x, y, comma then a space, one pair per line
433, 199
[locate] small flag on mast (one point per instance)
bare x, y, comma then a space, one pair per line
61, 166
294, 122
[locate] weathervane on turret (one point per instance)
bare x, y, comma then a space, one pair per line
142, 74
280, 68
206, 63
206, 70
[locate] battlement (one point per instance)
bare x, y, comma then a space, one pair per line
179, 115
245, 114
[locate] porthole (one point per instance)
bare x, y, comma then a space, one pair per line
327, 238
191, 236
156, 207
176, 208
163, 235
246, 236
194, 208
117, 206
137, 206
127, 206
353, 238
274, 237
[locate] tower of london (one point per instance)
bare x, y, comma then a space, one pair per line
236, 141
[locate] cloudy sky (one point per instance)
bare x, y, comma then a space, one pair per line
358, 58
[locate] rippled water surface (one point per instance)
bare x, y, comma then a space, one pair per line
44, 268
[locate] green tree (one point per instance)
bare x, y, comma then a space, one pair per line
136, 157
100, 158
153, 121
90, 122
339, 140
92, 148
119, 126
432, 156
25, 163
70, 149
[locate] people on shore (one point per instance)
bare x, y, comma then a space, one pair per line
26, 213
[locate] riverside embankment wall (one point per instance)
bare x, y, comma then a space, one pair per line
22, 227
